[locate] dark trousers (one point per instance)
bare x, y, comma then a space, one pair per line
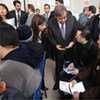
60, 57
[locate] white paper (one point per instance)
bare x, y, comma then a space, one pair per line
78, 87
64, 86
67, 87
11, 21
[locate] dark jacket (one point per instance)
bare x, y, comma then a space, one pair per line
52, 14
23, 17
95, 30
94, 92
87, 59
28, 53
55, 36
90, 21
90, 72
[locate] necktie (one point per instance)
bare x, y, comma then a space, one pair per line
18, 19
62, 31
46, 17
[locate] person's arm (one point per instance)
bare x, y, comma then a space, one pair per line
84, 73
50, 36
91, 93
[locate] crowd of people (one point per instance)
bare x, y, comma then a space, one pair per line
24, 40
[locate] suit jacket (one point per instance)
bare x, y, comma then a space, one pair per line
95, 30
89, 22
52, 14
82, 19
29, 19
28, 53
23, 17
55, 35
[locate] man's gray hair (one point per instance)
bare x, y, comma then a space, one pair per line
59, 10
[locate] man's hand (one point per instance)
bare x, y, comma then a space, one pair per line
60, 48
70, 45
75, 72
76, 96
73, 82
98, 42
2, 87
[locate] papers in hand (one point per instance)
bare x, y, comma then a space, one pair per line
67, 87
69, 71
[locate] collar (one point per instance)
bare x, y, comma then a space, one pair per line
31, 13
17, 12
88, 44
91, 15
61, 24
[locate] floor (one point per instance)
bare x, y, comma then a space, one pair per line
49, 81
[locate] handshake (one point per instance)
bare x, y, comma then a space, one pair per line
59, 47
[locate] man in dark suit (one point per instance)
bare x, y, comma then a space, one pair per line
19, 15
91, 15
95, 29
57, 2
52, 14
47, 11
62, 29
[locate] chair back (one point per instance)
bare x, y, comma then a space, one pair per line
37, 94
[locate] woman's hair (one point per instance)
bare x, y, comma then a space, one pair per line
37, 20
3, 5
30, 6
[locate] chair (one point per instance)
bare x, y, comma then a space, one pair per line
37, 94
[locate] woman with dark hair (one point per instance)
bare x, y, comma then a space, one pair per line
4, 15
39, 28
3, 12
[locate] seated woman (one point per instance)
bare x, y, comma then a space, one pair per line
86, 56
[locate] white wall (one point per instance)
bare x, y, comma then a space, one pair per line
76, 6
